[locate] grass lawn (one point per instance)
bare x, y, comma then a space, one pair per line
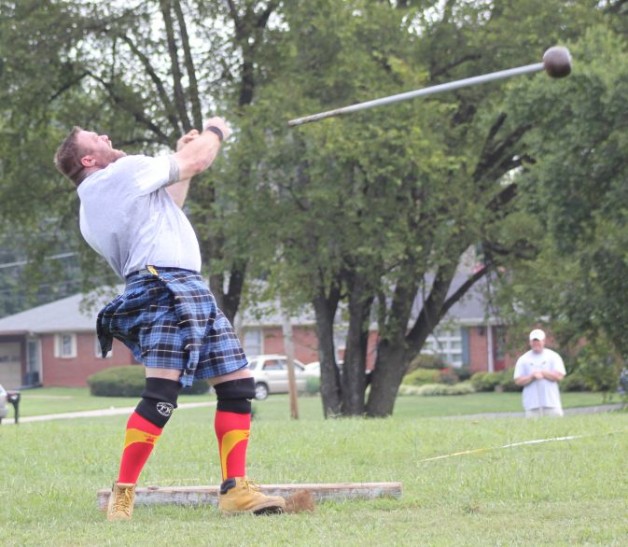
55, 400
560, 492
41, 401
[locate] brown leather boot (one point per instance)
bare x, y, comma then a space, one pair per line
121, 501
240, 495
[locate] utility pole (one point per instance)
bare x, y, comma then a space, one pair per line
289, 347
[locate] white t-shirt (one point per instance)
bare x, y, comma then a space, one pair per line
128, 217
540, 393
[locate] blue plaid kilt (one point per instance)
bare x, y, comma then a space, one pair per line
169, 319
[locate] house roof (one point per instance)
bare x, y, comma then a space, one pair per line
473, 308
75, 313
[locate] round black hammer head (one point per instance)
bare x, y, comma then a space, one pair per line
557, 62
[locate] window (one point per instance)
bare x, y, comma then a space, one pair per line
446, 343
274, 364
252, 342
65, 346
98, 351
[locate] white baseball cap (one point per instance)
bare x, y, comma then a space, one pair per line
537, 334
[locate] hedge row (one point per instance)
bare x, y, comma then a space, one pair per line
491, 381
429, 390
423, 376
128, 381
576, 381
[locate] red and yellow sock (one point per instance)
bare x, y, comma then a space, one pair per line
141, 436
232, 431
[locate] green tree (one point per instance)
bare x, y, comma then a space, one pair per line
380, 206
369, 211
577, 190
143, 74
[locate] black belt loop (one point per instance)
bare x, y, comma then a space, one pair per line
154, 271
149, 270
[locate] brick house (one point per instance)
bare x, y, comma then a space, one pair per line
56, 344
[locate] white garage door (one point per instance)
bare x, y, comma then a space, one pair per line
10, 365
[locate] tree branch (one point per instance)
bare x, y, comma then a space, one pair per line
67, 86
179, 95
493, 153
462, 290
138, 114
435, 73
161, 89
190, 69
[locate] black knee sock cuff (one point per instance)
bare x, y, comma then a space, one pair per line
159, 399
235, 395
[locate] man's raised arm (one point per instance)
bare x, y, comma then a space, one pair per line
195, 154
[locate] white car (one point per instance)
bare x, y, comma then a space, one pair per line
3, 403
270, 373
314, 368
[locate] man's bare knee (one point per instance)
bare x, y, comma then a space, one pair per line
165, 373
237, 375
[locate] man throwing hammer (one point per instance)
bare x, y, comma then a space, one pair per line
131, 215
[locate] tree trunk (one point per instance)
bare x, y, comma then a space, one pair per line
331, 396
390, 367
354, 369
398, 348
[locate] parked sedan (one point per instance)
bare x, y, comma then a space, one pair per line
3, 403
271, 375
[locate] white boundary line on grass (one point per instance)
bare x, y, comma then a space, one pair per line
113, 411
511, 445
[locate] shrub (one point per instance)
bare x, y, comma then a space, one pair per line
623, 380
312, 385
507, 380
485, 381
490, 381
597, 367
464, 373
602, 377
128, 381
426, 361
124, 381
429, 390
422, 376
575, 382
448, 376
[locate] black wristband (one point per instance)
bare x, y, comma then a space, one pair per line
216, 131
